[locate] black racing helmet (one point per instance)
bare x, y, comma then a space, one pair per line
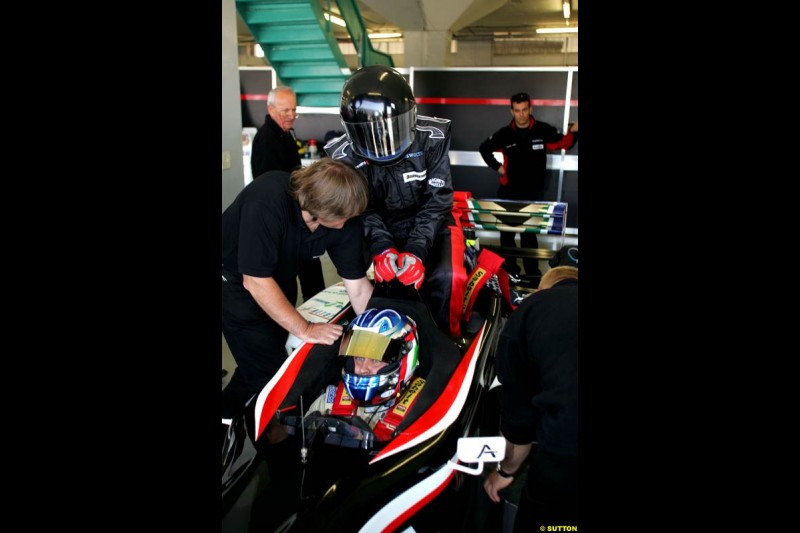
379, 113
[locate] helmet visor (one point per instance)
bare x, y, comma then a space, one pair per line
382, 139
369, 344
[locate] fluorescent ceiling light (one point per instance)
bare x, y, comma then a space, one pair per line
336, 20
557, 30
389, 35
566, 9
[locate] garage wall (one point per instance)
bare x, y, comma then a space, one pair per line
476, 100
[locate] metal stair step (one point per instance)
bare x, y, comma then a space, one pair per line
311, 69
288, 33
318, 100
315, 85
279, 3
298, 52
278, 13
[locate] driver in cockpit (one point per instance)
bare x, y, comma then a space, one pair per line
380, 353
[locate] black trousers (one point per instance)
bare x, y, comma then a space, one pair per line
257, 344
550, 496
527, 240
311, 279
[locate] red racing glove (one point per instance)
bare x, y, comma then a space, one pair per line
411, 271
386, 265
503, 180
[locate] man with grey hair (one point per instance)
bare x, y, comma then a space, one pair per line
274, 147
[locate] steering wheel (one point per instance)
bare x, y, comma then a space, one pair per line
338, 431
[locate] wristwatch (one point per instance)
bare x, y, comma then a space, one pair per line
502, 473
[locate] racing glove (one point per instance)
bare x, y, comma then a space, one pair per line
503, 176
411, 271
386, 265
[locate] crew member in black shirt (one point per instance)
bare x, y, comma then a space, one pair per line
537, 364
272, 226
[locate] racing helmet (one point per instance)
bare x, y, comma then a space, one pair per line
381, 335
379, 113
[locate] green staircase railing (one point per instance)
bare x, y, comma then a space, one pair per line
358, 33
300, 45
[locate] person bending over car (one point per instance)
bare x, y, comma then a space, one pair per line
275, 224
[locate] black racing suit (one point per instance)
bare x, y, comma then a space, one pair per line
410, 209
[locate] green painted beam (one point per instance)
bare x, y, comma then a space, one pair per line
358, 33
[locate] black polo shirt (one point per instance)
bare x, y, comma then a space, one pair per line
537, 363
273, 149
264, 235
